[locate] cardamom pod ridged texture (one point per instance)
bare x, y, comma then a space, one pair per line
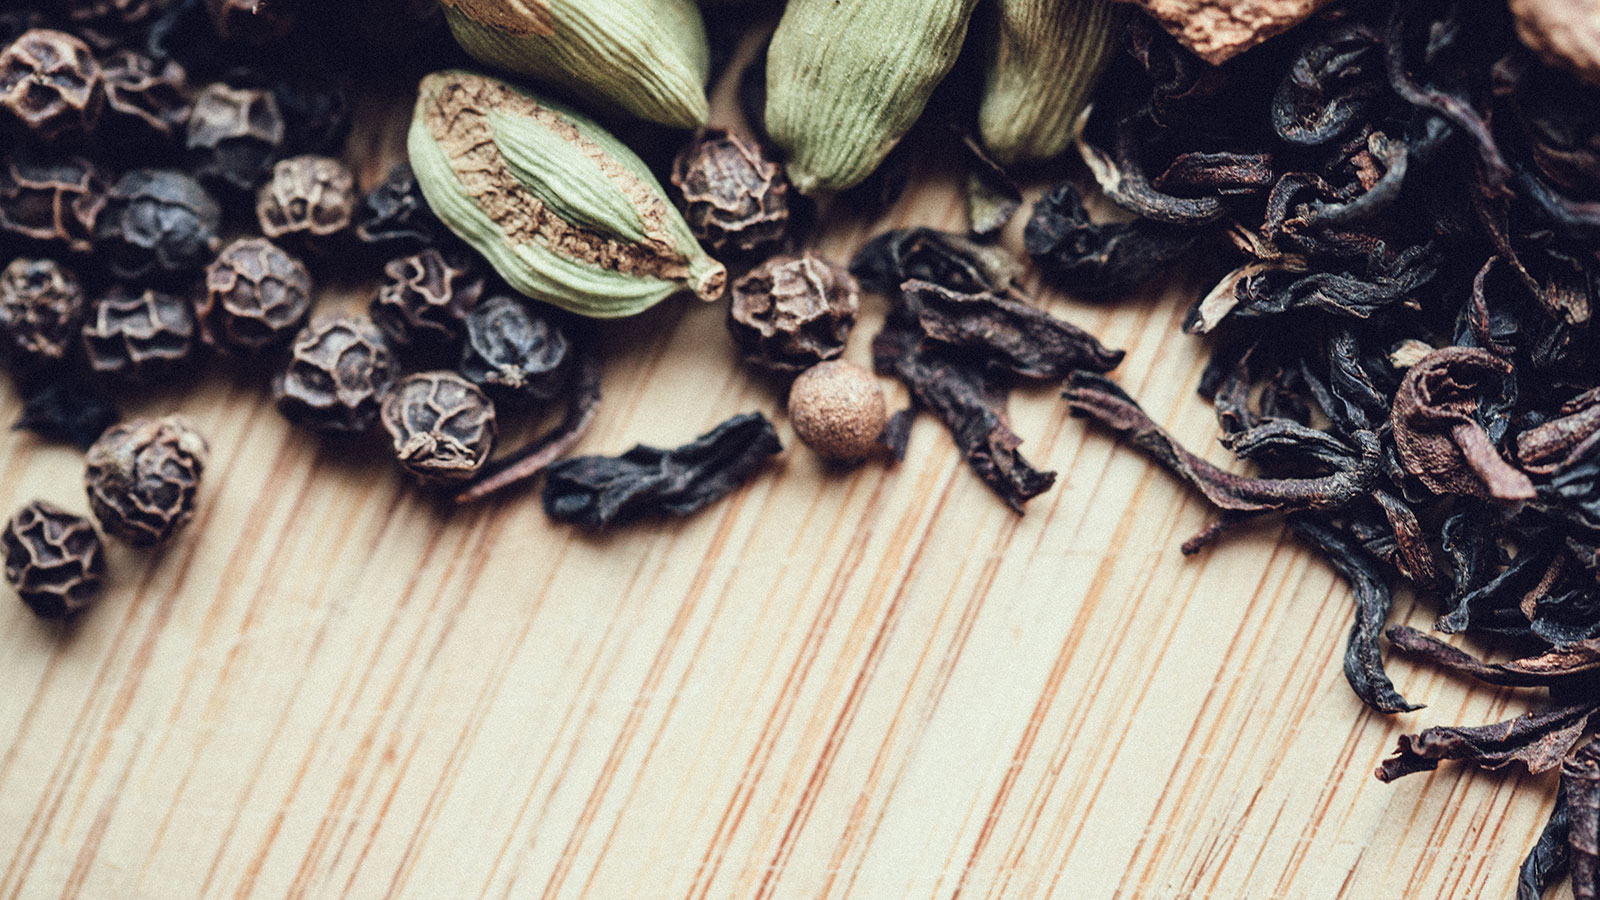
846, 79
562, 210
649, 57
1046, 57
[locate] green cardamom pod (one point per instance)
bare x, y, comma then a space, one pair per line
846, 79
649, 57
1045, 59
562, 210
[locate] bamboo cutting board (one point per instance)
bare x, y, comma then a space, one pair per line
874, 684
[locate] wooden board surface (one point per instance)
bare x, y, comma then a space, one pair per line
875, 684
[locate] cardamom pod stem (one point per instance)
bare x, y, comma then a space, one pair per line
1043, 64
562, 210
846, 79
648, 57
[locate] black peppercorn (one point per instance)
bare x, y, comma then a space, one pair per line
56, 200
338, 372
251, 21
443, 426
54, 559
51, 82
256, 295
152, 99
13, 22
138, 336
312, 196
513, 352
41, 309
790, 314
235, 135
110, 13
316, 112
422, 303
157, 222
395, 213
734, 198
142, 476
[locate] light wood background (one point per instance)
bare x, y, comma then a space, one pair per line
875, 684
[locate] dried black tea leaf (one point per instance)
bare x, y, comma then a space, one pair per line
1022, 339
1547, 859
597, 491
1538, 740
1580, 781
1099, 260
1363, 659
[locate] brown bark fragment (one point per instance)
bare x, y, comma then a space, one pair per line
1218, 30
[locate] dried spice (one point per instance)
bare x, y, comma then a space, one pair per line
513, 352
52, 199
138, 337
1437, 431
65, 409
1580, 782
251, 21
157, 222
1013, 335
735, 199
1042, 63
838, 410
307, 196
41, 310
1097, 260
54, 559
50, 81
598, 491
965, 376
142, 477
255, 296
423, 303
587, 229
583, 402
338, 372
316, 112
111, 13
442, 425
152, 96
235, 135
395, 214
791, 313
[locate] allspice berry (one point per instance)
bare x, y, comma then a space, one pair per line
838, 410
41, 309
51, 82
790, 314
311, 196
54, 559
443, 425
256, 295
734, 197
142, 477
339, 369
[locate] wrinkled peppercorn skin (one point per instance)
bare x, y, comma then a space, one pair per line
734, 197
152, 96
142, 477
256, 296
53, 559
138, 337
158, 222
442, 425
423, 303
395, 214
791, 313
50, 81
41, 309
56, 200
235, 135
514, 353
251, 21
310, 196
339, 369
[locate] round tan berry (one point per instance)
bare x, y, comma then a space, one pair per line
838, 410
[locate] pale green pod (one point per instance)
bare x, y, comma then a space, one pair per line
846, 79
561, 209
649, 57
1045, 59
